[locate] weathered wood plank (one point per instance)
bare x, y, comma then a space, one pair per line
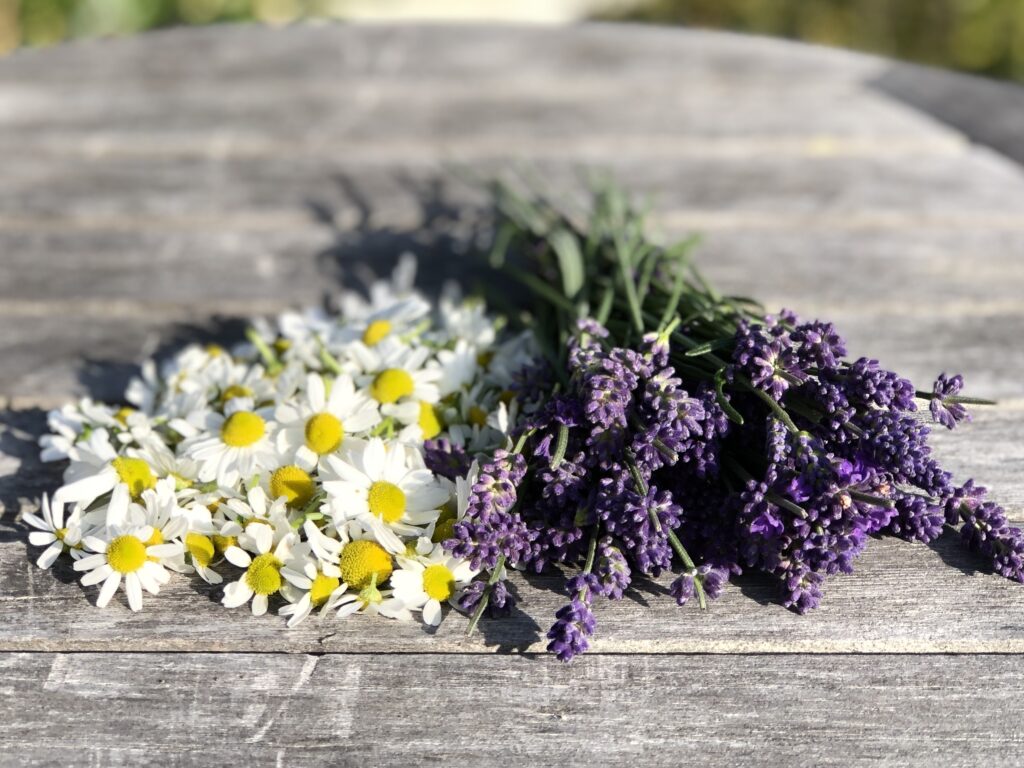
171, 710
472, 52
976, 190
173, 264
582, 92
903, 598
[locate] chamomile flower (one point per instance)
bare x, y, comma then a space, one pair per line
317, 424
296, 457
309, 585
399, 380
125, 553
423, 582
99, 468
387, 324
384, 489
233, 446
54, 532
262, 576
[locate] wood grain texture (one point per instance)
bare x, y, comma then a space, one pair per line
161, 189
903, 598
419, 710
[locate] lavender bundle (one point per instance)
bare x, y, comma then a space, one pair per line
670, 427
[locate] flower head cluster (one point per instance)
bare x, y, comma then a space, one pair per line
592, 459
314, 468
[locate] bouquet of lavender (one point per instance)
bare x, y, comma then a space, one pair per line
671, 427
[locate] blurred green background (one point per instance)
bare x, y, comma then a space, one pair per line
981, 36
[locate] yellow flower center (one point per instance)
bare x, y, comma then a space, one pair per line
221, 543
324, 433
362, 560
135, 473
375, 332
242, 428
201, 549
429, 423
282, 345
387, 501
123, 414
445, 527
214, 350
156, 538
264, 574
391, 385
235, 390
126, 554
477, 416
60, 533
323, 586
438, 582
294, 484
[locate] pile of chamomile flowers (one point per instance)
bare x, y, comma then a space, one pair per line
318, 467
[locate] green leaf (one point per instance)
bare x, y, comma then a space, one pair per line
560, 446
542, 289
733, 415
709, 346
626, 271
570, 260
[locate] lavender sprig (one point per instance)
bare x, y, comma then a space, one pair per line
691, 422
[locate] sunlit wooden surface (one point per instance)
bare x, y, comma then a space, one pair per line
159, 189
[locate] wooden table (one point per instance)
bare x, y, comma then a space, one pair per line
159, 188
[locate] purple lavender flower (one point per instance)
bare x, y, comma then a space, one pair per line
490, 528
802, 590
768, 360
949, 414
868, 383
917, 520
574, 623
683, 588
446, 459
499, 604
611, 569
820, 345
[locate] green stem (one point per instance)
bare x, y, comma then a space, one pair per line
266, 353
673, 540
485, 598
877, 501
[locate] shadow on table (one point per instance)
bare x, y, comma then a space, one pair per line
450, 228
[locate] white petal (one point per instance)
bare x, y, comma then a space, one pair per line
263, 535
238, 557
95, 543
41, 538
259, 605
96, 576
374, 459
432, 613
316, 392
36, 522
384, 535
108, 589
89, 562
50, 555
117, 511
87, 489
164, 550
236, 593
134, 590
